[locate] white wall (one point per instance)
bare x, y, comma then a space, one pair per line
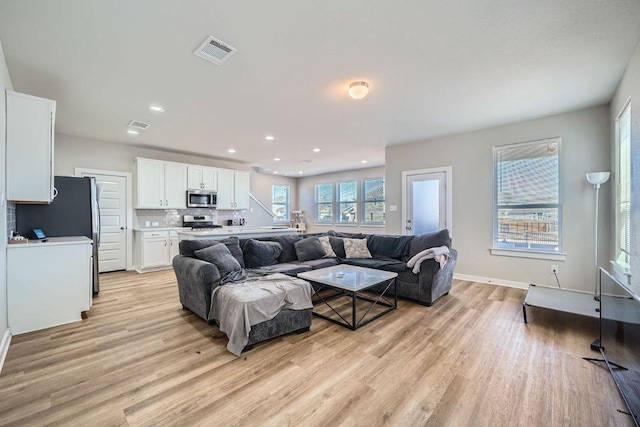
261, 186
585, 148
306, 194
72, 152
630, 88
5, 84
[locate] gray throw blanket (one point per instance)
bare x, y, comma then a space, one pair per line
253, 299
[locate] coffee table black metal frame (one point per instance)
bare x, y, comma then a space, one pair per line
355, 295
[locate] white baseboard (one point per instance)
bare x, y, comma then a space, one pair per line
491, 281
4, 346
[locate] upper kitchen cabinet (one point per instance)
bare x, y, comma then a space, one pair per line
30, 139
233, 189
202, 178
160, 184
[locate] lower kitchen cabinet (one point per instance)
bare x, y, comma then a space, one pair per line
155, 249
48, 283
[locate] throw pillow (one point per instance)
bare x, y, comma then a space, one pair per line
288, 250
326, 245
221, 257
338, 246
233, 244
309, 248
356, 248
258, 253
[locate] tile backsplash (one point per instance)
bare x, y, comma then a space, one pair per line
173, 217
11, 218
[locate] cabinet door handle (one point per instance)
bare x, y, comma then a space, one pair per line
166, 203
171, 243
160, 202
165, 243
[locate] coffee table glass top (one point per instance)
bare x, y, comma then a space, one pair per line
348, 277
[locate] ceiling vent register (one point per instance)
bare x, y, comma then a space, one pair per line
138, 125
213, 50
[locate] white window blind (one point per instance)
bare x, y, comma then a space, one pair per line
324, 203
280, 202
527, 212
623, 187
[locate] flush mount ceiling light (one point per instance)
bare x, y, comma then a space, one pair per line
156, 108
269, 137
358, 90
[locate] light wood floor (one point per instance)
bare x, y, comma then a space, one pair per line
138, 359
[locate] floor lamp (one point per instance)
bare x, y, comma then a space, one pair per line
597, 178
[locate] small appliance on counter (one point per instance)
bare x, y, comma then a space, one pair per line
238, 222
199, 222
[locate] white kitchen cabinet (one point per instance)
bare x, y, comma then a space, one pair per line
160, 184
233, 189
155, 249
202, 178
48, 283
30, 142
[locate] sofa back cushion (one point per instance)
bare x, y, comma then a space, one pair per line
287, 241
337, 244
389, 246
309, 248
429, 240
219, 255
189, 247
258, 253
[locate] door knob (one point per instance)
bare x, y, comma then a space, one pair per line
121, 228
408, 227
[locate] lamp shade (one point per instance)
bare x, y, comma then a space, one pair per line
596, 178
358, 90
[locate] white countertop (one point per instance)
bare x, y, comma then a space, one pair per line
52, 241
247, 231
161, 228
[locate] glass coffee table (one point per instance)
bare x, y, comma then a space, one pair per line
340, 282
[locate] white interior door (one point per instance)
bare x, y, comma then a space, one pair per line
112, 252
427, 200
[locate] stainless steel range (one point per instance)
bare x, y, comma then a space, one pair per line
199, 222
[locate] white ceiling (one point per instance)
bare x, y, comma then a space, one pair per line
434, 68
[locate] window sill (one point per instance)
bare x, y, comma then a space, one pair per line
529, 254
621, 272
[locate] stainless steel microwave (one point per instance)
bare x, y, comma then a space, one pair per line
201, 199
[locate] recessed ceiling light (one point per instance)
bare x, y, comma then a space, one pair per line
133, 132
231, 150
156, 108
269, 137
364, 161
358, 90
300, 172
316, 150
276, 159
275, 172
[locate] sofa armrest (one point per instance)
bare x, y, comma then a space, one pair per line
433, 281
196, 280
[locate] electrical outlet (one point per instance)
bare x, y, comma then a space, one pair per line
554, 269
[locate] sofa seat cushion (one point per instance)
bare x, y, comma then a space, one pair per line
288, 268
258, 253
380, 263
321, 263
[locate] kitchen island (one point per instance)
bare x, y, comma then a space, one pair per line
246, 232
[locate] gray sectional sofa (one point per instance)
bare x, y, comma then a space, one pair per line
196, 277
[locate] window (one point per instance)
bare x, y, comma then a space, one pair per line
527, 211
324, 203
373, 201
623, 187
280, 202
347, 202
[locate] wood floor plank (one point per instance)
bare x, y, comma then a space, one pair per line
139, 359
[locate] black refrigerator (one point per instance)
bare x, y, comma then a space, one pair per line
73, 212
